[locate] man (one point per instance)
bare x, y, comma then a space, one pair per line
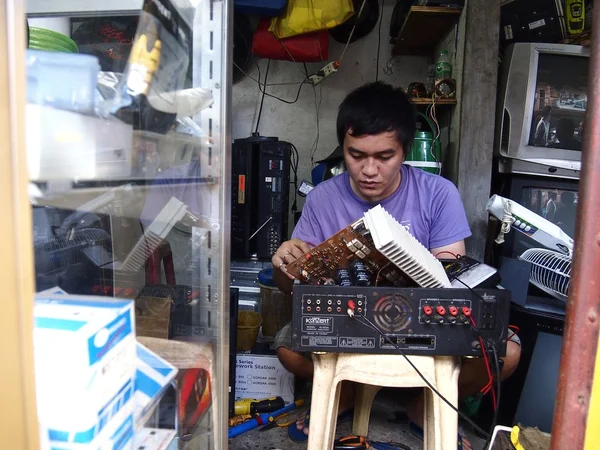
550, 208
565, 133
375, 127
542, 129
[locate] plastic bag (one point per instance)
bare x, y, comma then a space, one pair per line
311, 47
306, 16
148, 92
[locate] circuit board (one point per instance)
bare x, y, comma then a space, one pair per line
320, 265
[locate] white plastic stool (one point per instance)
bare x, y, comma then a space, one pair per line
375, 372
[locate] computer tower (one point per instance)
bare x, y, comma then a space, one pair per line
259, 196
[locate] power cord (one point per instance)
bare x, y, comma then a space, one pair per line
498, 393
295, 161
264, 91
507, 221
379, 40
371, 325
262, 100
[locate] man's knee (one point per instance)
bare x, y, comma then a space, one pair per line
295, 363
511, 360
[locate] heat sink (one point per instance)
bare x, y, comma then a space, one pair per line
153, 236
403, 250
550, 271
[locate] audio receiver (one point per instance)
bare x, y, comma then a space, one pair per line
418, 321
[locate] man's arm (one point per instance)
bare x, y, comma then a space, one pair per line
450, 251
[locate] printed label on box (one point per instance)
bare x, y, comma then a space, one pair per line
262, 376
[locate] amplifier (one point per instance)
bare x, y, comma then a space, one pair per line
419, 321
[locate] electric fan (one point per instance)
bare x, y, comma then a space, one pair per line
551, 266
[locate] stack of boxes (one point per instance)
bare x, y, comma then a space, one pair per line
92, 388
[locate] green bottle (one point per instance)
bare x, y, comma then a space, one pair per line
443, 68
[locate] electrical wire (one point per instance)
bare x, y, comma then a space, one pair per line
498, 391
315, 144
262, 100
449, 253
292, 83
371, 325
488, 366
352, 31
379, 40
289, 102
295, 161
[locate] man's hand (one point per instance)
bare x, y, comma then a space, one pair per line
288, 252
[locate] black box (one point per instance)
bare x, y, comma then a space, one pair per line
531, 21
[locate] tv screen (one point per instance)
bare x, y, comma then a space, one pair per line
559, 102
559, 206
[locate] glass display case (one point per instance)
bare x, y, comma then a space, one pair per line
125, 115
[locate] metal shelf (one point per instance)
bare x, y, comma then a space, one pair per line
81, 8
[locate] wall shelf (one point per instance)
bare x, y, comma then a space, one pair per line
428, 101
423, 28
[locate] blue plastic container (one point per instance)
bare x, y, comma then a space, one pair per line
266, 8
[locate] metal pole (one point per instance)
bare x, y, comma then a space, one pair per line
583, 308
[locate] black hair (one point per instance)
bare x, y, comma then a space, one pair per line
565, 129
546, 111
376, 108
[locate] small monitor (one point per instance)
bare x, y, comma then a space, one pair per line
554, 200
542, 101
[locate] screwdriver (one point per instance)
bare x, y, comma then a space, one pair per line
253, 406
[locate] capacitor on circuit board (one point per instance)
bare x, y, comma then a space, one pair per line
358, 271
342, 278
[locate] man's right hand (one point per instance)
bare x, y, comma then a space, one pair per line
288, 252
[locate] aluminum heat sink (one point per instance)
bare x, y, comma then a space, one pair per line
153, 236
550, 271
403, 250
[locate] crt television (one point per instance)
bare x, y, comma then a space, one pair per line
542, 101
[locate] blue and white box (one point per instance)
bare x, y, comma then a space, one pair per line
85, 362
152, 377
118, 434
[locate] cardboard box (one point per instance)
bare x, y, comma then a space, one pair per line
152, 377
118, 434
85, 362
262, 376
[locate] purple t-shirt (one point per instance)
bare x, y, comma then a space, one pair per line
427, 205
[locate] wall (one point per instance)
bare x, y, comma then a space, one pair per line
297, 123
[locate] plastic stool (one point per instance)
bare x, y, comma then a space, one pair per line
375, 372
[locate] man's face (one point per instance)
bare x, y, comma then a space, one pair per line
373, 162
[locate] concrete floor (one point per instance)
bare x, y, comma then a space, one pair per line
382, 427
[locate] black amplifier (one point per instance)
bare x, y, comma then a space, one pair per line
418, 321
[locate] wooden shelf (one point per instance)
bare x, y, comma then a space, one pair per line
438, 101
423, 28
